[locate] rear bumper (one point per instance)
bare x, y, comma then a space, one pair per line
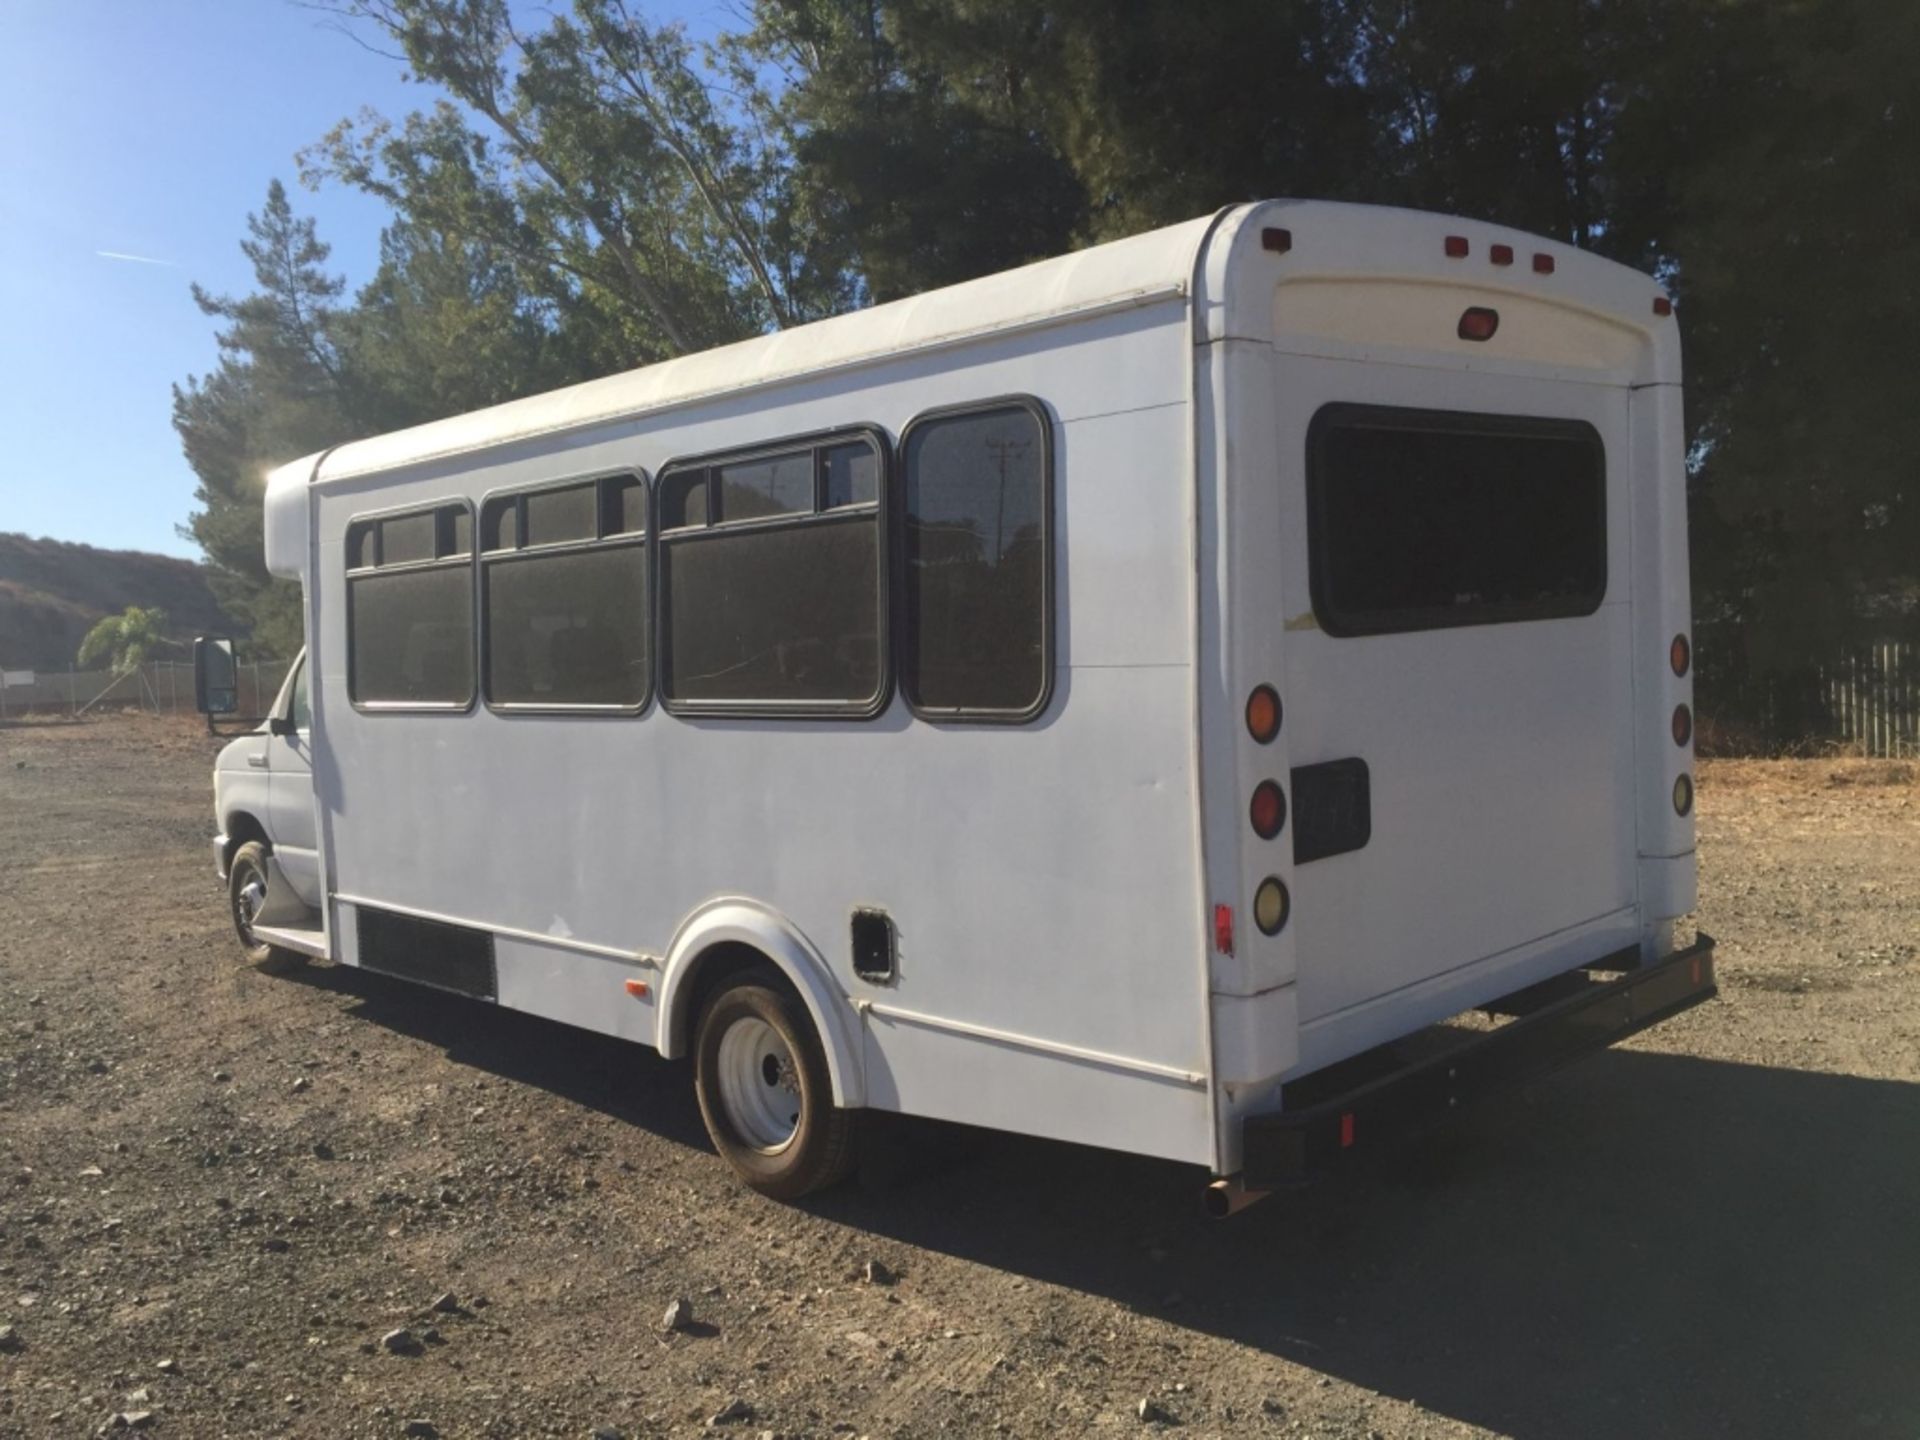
1293, 1146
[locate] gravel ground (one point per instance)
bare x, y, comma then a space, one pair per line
220, 1192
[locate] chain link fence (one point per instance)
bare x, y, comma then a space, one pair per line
162, 687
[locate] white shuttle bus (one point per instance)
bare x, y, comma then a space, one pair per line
1134, 699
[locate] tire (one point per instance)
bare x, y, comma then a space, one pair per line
246, 888
761, 1077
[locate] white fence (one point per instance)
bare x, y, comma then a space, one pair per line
1873, 697
162, 686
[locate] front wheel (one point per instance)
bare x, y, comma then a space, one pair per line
761, 1076
246, 895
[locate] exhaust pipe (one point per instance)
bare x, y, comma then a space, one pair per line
1230, 1196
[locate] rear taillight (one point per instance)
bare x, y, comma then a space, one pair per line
1680, 655
1267, 810
1682, 724
1479, 323
1271, 905
1263, 714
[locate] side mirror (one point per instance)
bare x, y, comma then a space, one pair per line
281, 725
216, 679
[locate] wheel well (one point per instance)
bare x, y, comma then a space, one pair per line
242, 827
712, 968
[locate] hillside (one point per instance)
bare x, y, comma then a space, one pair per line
52, 592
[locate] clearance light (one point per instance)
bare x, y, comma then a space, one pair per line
1223, 929
1501, 254
1543, 264
1457, 247
1680, 655
1682, 800
1267, 810
638, 989
1682, 724
1662, 305
1263, 714
1275, 239
1271, 906
1479, 323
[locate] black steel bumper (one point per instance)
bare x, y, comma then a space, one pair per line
1555, 1023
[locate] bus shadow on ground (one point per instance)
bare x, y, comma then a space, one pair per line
1644, 1245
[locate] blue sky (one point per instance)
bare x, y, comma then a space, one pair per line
150, 128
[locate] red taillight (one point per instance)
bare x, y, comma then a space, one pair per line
1662, 305
1479, 323
1501, 254
1682, 724
1275, 239
1223, 929
1456, 247
1542, 264
1680, 655
1263, 714
1267, 810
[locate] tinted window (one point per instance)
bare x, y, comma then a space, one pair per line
788, 614
851, 474
568, 628
410, 636
683, 499
976, 563
772, 485
1420, 519
554, 516
406, 538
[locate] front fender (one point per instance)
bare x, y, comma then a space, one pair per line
733, 920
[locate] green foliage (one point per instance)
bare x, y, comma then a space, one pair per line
126, 640
596, 193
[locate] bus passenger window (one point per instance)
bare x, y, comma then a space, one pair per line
978, 635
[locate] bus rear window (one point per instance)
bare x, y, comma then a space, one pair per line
1427, 519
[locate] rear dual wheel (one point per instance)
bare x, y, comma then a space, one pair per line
760, 1072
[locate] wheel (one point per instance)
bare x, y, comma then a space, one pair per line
246, 893
761, 1076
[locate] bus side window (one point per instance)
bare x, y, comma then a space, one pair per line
977, 638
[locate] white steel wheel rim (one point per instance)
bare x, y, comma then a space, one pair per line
759, 1083
249, 901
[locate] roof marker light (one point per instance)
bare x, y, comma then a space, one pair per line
1662, 305
1501, 254
1275, 239
1479, 323
1542, 263
1457, 247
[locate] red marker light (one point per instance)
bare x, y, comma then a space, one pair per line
1542, 264
639, 989
1501, 254
1662, 305
1457, 247
1682, 724
1346, 1131
1680, 655
1275, 239
1267, 810
1479, 323
1223, 929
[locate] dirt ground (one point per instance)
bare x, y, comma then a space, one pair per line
219, 1190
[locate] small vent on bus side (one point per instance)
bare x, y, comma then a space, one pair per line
873, 946
428, 952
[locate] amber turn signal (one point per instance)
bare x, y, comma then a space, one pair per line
1263, 714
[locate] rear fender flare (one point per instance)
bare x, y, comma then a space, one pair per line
735, 921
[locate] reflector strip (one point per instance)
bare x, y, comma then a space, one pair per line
1223, 929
